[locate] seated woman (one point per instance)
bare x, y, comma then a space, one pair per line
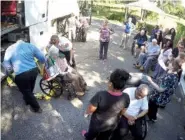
65, 47
164, 56
107, 106
68, 72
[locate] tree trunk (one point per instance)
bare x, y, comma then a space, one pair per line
91, 12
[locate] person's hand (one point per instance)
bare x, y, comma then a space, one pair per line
86, 115
131, 118
131, 122
161, 90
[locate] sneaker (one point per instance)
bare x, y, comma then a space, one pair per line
80, 93
36, 111
154, 120
83, 133
137, 66
141, 69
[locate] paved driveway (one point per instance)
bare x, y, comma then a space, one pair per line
62, 119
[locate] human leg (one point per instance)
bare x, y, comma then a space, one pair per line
106, 46
104, 135
148, 63
25, 82
101, 50
141, 59
69, 34
152, 111
121, 131
136, 129
122, 40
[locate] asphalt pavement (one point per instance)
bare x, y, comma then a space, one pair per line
62, 119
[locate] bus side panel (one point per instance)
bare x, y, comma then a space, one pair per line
35, 11
60, 8
40, 35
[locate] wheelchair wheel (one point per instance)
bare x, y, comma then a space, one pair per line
51, 88
144, 128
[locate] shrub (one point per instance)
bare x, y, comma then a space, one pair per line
116, 16
145, 25
180, 32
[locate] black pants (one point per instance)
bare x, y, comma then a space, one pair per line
26, 82
152, 111
67, 56
92, 134
123, 129
103, 50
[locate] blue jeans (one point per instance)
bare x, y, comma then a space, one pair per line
141, 59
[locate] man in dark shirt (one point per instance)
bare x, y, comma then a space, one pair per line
141, 38
107, 106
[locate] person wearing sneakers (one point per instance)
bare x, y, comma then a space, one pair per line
19, 58
106, 107
105, 33
128, 28
145, 58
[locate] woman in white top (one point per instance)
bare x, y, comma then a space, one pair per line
65, 47
164, 56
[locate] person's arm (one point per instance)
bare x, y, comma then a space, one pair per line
159, 89
71, 56
129, 117
38, 54
142, 114
93, 104
144, 108
7, 62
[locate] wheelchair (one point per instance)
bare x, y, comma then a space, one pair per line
56, 85
81, 34
144, 127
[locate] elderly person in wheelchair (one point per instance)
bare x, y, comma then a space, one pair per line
134, 118
147, 56
66, 71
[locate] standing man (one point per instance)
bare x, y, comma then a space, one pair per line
72, 27
128, 28
19, 58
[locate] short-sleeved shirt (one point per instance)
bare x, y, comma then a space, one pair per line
108, 110
153, 49
105, 34
64, 44
136, 105
20, 57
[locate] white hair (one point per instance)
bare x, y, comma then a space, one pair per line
154, 40
144, 89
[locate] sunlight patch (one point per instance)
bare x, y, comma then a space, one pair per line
120, 58
77, 103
